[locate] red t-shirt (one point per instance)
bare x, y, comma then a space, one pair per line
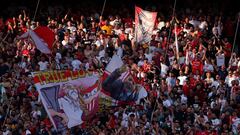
197, 65
228, 50
186, 89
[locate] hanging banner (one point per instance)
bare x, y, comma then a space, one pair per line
69, 97
119, 86
144, 25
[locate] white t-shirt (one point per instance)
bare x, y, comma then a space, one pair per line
208, 67
167, 103
58, 57
76, 64
140, 63
220, 59
215, 84
73, 113
182, 60
120, 52
149, 56
160, 25
238, 63
164, 69
215, 122
171, 59
203, 25
43, 65
182, 79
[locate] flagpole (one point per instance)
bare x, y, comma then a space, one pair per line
101, 13
169, 33
176, 41
36, 10
235, 36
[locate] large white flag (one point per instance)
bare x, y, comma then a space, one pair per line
144, 24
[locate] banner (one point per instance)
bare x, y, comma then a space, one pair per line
69, 97
119, 86
144, 25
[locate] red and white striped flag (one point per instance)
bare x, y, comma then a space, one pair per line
144, 24
42, 37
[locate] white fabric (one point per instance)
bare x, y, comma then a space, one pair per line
40, 44
73, 114
43, 65
115, 63
220, 59
182, 79
76, 64
145, 21
164, 70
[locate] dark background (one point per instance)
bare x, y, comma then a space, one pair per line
228, 7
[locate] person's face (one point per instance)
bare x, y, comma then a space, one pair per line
42, 59
73, 94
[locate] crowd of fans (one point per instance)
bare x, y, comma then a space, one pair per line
197, 93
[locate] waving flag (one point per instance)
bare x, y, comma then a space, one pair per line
144, 24
120, 86
70, 98
42, 37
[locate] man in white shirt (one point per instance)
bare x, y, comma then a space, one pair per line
220, 58
181, 77
208, 67
164, 69
43, 64
76, 63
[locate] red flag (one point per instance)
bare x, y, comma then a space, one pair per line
43, 38
46, 34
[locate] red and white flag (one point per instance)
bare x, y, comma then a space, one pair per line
42, 37
144, 25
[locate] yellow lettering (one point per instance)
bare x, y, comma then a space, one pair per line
63, 76
55, 76
81, 74
47, 77
74, 75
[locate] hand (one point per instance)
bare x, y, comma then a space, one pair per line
123, 69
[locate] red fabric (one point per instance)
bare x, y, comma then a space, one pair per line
202, 133
194, 43
128, 21
146, 67
46, 34
25, 52
1, 24
102, 23
197, 65
21, 88
228, 50
112, 122
186, 90
35, 93
229, 28
47, 122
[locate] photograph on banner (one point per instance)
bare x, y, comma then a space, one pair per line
70, 102
144, 25
120, 85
